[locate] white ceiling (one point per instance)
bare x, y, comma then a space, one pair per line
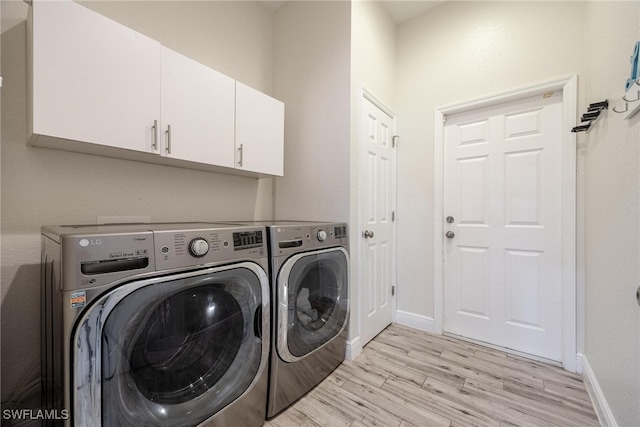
403, 10
399, 10
14, 11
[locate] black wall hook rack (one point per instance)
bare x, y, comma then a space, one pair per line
592, 114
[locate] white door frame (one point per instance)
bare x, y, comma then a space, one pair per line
368, 96
569, 88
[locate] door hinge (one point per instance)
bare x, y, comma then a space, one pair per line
394, 140
444, 119
393, 216
393, 290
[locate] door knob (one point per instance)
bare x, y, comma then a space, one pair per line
367, 234
450, 234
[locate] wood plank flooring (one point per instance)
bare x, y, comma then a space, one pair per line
408, 378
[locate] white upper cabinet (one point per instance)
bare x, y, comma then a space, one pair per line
197, 111
259, 131
99, 87
93, 80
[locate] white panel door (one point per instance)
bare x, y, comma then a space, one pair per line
503, 225
197, 111
377, 187
94, 80
259, 131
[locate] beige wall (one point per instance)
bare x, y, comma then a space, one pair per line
457, 52
612, 212
373, 51
42, 186
312, 78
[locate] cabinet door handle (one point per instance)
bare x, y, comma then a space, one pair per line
168, 132
154, 144
241, 150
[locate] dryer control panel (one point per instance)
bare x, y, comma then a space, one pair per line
294, 238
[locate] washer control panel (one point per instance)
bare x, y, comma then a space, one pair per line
97, 259
198, 247
94, 255
175, 249
247, 239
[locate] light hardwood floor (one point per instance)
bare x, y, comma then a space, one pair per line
406, 378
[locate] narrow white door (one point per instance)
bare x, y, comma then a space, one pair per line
502, 210
377, 189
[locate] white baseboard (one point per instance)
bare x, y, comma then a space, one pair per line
416, 321
597, 396
354, 348
579, 363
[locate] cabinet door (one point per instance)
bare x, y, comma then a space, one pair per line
259, 131
197, 111
94, 80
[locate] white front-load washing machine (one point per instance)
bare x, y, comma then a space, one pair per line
309, 270
155, 324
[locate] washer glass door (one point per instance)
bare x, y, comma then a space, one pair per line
177, 350
313, 291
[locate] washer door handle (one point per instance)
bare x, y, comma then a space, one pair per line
257, 322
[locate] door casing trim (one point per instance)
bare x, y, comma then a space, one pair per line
569, 87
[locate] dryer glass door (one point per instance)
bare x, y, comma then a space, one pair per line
177, 350
314, 301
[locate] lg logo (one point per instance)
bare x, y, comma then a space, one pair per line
86, 242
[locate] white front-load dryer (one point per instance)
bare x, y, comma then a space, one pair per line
156, 324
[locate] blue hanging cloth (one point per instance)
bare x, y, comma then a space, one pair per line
635, 65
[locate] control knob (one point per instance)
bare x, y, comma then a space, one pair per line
198, 247
322, 235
